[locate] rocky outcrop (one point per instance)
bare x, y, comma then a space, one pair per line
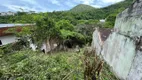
119, 52
123, 48
97, 43
99, 36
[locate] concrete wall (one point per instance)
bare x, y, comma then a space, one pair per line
8, 39
136, 68
120, 49
119, 52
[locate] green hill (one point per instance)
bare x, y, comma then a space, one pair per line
86, 12
118, 7
90, 12
112, 11
79, 12
81, 8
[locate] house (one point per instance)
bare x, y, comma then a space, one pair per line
9, 13
102, 20
3, 14
6, 38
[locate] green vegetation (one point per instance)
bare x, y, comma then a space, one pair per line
81, 8
45, 29
79, 12
31, 65
77, 24
38, 66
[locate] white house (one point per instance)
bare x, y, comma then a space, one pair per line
9, 13
6, 38
3, 14
102, 20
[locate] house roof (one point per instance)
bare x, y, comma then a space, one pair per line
4, 27
104, 33
13, 25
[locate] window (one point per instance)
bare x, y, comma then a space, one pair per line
0, 42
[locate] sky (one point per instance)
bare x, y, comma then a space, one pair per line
50, 5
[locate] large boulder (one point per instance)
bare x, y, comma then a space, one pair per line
123, 48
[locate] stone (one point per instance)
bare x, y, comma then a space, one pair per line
122, 50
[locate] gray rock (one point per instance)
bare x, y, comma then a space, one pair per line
122, 49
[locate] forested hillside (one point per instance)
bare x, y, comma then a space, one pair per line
83, 18
86, 12
79, 12
81, 8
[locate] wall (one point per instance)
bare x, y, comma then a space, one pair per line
121, 49
136, 69
7, 39
119, 52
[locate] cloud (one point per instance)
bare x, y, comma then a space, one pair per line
70, 4
25, 8
55, 2
104, 3
17, 8
88, 2
97, 6
97, 3
50, 5
30, 1
111, 1
26, 5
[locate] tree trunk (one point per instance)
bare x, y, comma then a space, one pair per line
48, 48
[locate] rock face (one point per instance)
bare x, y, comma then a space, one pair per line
97, 43
123, 48
99, 36
119, 52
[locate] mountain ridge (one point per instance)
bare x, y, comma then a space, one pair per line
85, 8
81, 8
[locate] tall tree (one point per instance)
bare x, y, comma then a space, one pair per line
45, 31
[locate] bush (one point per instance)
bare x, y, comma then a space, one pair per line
1, 51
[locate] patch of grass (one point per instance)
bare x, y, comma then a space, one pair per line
29, 65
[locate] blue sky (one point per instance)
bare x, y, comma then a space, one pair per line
50, 5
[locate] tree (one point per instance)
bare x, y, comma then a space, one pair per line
68, 32
45, 31
110, 21
23, 35
66, 29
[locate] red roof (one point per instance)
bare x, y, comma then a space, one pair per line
4, 29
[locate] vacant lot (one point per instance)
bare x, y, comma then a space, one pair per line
29, 65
